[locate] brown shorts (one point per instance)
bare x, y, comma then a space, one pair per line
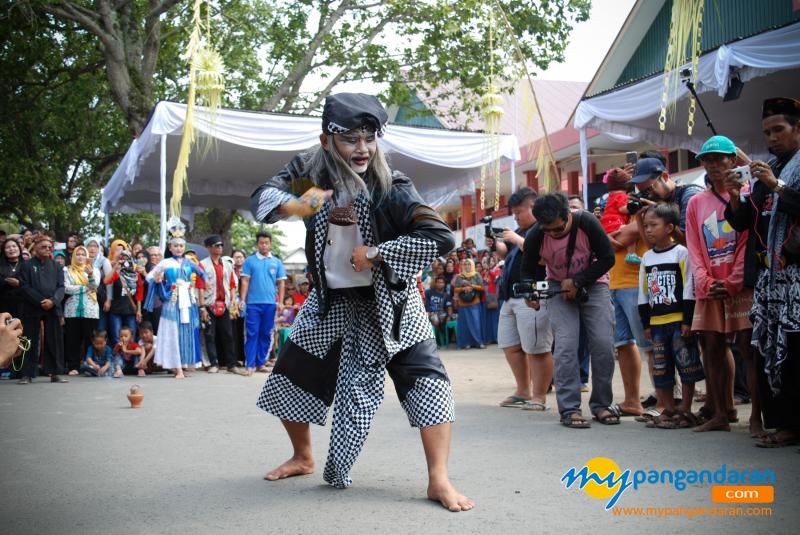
724, 315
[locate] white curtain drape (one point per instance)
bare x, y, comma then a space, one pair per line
288, 134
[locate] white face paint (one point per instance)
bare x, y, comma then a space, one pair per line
356, 147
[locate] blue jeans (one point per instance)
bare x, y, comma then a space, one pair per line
628, 326
258, 321
118, 320
85, 368
597, 316
583, 355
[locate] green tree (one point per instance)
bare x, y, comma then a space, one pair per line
78, 78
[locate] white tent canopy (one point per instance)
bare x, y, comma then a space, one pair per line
769, 63
251, 147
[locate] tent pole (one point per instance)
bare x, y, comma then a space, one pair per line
513, 177
162, 237
107, 229
585, 166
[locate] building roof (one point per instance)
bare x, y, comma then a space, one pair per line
557, 100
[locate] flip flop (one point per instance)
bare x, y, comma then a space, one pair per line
612, 418
514, 402
578, 423
648, 416
619, 412
771, 441
535, 407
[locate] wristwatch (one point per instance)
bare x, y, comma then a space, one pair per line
374, 255
779, 186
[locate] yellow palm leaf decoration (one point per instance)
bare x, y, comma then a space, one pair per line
686, 23
206, 87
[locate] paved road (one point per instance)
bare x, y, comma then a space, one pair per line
75, 459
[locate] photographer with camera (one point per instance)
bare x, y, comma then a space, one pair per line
577, 255
653, 185
523, 333
10, 333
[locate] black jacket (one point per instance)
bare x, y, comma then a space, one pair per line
41, 280
754, 215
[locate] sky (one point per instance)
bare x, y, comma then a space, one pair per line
588, 43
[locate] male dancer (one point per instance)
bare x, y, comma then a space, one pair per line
368, 234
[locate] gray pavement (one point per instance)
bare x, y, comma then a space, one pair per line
76, 459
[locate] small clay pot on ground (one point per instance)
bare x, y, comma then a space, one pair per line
136, 400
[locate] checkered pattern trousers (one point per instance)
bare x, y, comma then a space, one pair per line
359, 393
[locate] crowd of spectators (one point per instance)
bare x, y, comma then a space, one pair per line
85, 311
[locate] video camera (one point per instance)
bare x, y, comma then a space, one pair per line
488, 230
540, 290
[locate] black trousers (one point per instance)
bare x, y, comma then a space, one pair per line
781, 411
47, 345
219, 341
153, 317
238, 339
77, 339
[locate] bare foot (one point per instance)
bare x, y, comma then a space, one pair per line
296, 466
631, 410
179, 374
757, 429
449, 497
715, 424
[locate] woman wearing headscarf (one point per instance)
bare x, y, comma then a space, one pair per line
99, 262
468, 289
81, 311
124, 302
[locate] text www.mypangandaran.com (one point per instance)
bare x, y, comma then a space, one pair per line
663, 512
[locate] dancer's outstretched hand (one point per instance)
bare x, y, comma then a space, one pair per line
309, 203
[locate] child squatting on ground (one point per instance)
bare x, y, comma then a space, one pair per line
666, 306
129, 353
100, 361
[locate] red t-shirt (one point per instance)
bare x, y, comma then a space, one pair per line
218, 269
118, 349
298, 298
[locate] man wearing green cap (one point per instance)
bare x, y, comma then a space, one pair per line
716, 252
772, 265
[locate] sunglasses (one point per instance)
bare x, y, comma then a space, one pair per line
218, 244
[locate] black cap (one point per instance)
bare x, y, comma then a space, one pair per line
647, 168
211, 240
349, 111
780, 106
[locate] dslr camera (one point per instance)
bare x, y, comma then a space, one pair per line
540, 290
636, 205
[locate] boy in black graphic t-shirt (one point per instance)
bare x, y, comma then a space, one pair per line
666, 306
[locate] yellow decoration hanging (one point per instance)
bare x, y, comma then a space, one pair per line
492, 112
686, 23
206, 87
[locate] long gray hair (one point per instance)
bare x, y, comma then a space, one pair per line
347, 182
